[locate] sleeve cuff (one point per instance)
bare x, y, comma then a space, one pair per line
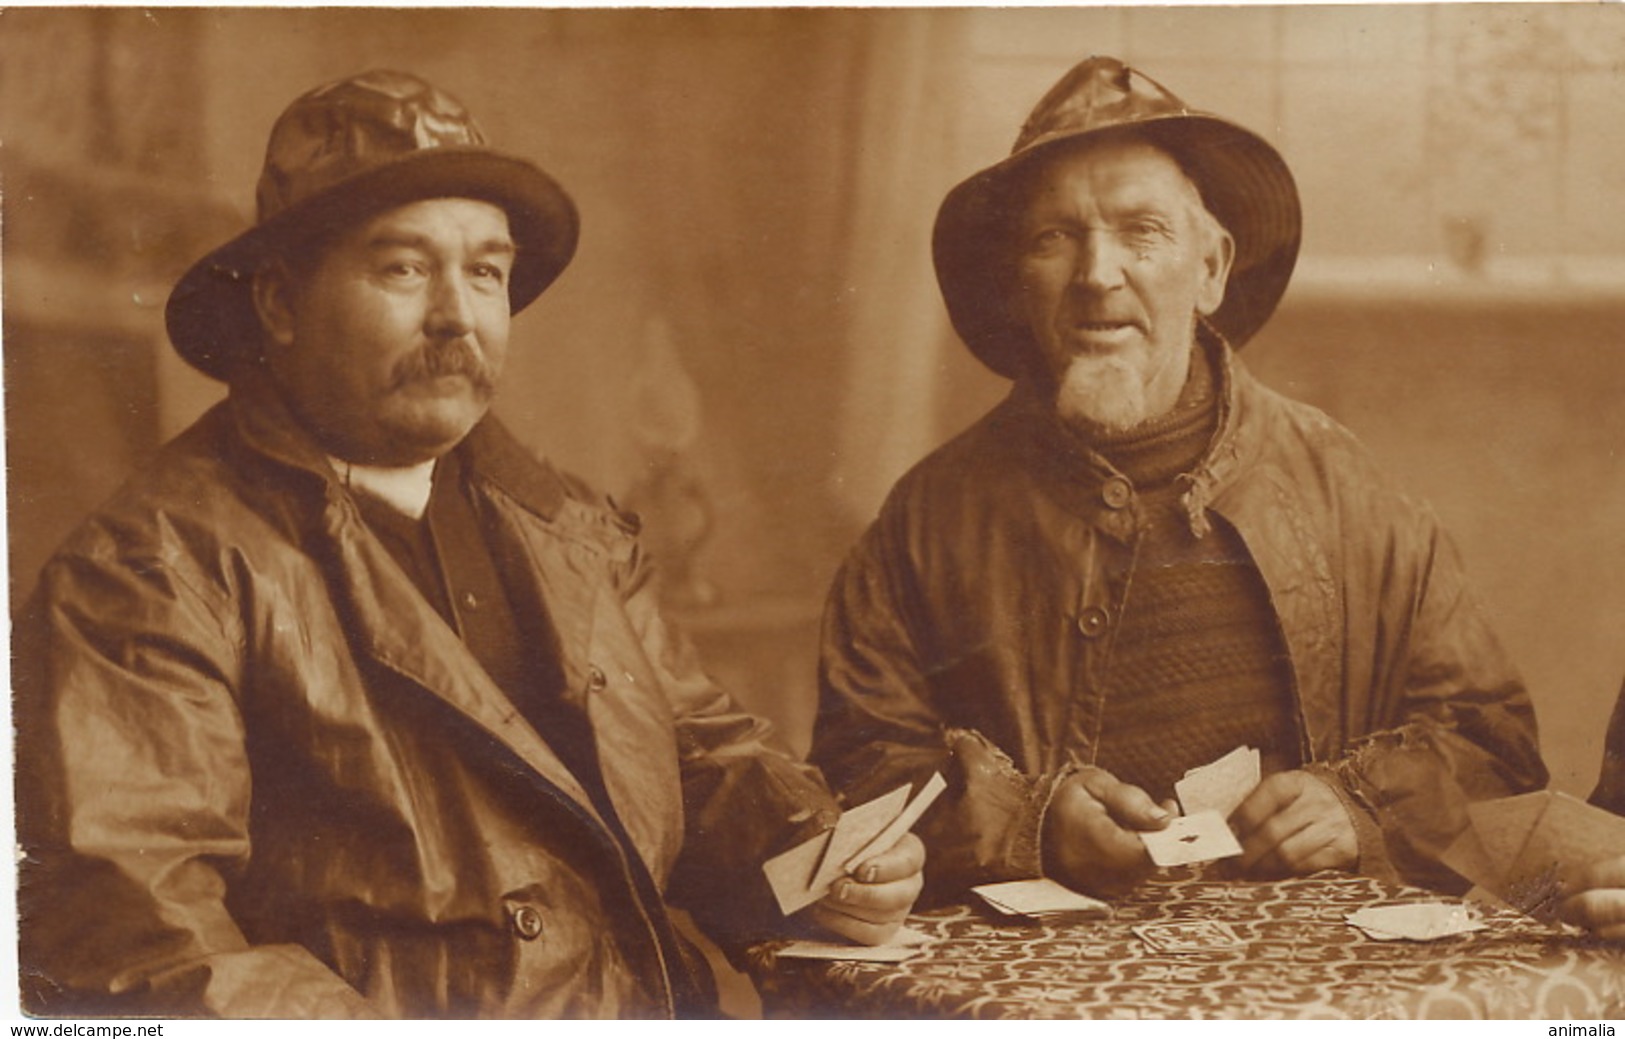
1044, 793
1373, 848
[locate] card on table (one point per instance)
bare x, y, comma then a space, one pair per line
1182, 936
904, 944
804, 874
1039, 898
1191, 838
1222, 785
1416, 921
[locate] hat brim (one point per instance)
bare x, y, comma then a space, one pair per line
1242, 179
210, 315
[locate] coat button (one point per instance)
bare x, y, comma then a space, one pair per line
1092, 622
596, 680
1116, 492
527, 922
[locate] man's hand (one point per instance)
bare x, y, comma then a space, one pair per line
1596, 899
1291, 824
869, 906
1091, 833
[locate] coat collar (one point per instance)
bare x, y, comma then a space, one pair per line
1073, 468
386, 617
268, 426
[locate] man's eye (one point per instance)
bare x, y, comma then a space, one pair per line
490, 271
402, 269
1048, 238
1143, 229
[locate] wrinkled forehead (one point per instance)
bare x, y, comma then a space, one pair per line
451, 218
470, 222
1126, 162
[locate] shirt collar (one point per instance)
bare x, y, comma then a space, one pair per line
405, 489
269, 428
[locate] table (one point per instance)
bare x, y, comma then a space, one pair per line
1299, 959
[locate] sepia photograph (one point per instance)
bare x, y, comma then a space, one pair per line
1108, 512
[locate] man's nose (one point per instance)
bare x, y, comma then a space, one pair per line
1099, 264
451, 309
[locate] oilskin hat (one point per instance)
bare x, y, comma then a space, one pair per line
1243, 181
347, 151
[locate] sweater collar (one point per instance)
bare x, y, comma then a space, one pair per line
1055, 449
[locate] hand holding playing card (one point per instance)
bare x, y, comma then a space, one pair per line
1595, 899
870, 906
1294, 823
1091, 833
863, 875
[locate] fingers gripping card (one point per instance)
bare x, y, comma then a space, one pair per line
804, 874
855, 830
900, 825
1191, 838
1222, 785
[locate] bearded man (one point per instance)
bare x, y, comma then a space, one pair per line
1143, 559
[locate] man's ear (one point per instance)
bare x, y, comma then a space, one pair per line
273, 302
1216, 261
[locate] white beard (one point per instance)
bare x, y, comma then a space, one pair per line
1105, 392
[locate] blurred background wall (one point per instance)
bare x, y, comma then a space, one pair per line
750, 347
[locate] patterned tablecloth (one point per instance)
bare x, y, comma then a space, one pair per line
1298, 958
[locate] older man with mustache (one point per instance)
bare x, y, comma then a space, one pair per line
351, 707
1143, 559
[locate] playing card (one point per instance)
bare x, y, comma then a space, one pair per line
855, 829
1416, 921
1191, 838
1568, 836
904, 944
1470, 858
1504, 824
903, 823
790, 874
1500, 829
1182, 936
1038, 898
804, 874
1520, 848
1222, 785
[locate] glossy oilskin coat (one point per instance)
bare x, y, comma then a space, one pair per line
260, 776
1610, 792
971, 631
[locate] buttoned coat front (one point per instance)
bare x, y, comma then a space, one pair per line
971, 629
260, 776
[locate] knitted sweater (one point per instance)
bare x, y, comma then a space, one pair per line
1198, 667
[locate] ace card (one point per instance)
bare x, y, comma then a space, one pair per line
1191, 838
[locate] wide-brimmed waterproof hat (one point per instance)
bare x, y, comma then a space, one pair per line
348, 151
1242, 179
